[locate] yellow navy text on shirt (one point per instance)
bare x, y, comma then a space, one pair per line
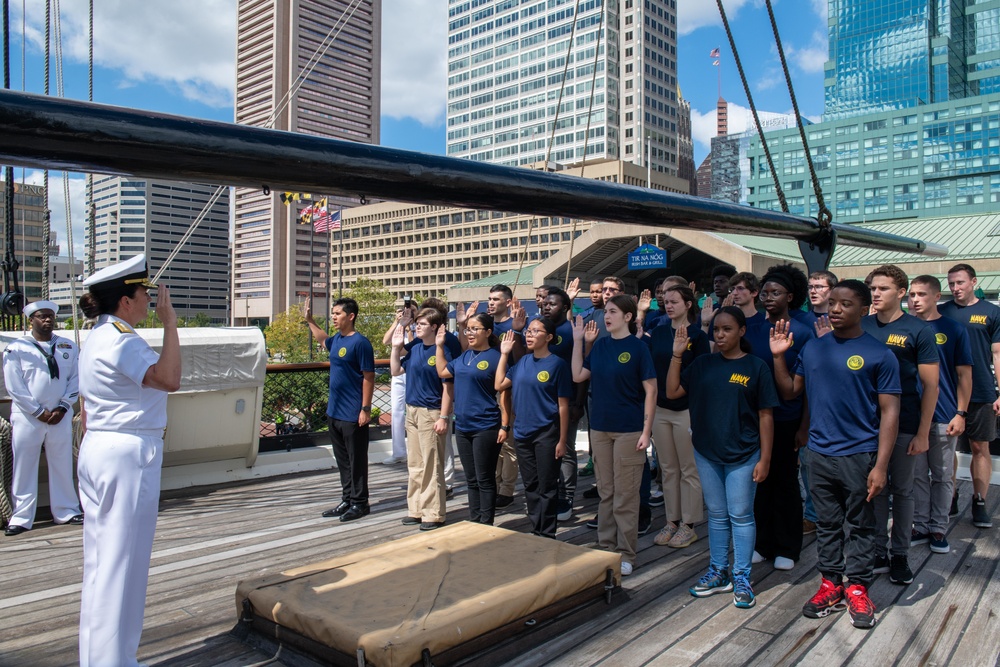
739, 378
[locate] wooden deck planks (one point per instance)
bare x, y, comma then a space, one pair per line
209, 539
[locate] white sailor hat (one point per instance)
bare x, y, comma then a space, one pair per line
35, 306
129, 272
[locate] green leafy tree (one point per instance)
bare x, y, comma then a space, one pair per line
287, 338
377, 307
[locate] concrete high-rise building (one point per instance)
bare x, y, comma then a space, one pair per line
685, 147
521, 77
887, 55
274, 259
135, 216
29, 245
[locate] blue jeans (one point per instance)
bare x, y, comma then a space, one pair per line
729, 491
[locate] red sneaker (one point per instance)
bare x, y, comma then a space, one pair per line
829, 598
861, 607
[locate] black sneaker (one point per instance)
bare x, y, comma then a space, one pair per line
899, 571
954, 505
503, 501
916, 538
564, 509
591, 493
645, 520
881, 565
592, 524
980, 517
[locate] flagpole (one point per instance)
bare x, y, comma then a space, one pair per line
329, 284
340, 262
312, 240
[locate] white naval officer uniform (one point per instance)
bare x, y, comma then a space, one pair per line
33, 390
119, 472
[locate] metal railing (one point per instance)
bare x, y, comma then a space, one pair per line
295, 400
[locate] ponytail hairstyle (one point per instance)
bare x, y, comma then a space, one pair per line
487, 321
626, 304
688, 296
741, 322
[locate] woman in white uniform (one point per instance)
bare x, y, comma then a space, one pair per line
124, 386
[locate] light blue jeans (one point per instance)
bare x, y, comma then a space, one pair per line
729, 491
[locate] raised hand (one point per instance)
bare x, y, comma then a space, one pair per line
822, 325
397, 337
165, 309
507, 343
729, 300
461, 314
470, 311
645, 301
578, 328
590, 332
707, 308
573, 289
406, 317
781, 337
307, 309
520, 319
440, 336
680, 341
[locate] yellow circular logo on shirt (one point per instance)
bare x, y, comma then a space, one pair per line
940, 338
342, 352
483, 365
856, 362
543, 376
431, 361
624, 357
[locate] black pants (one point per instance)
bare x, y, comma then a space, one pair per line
839, 488
479, 452
536, 457
350, 449
777, 507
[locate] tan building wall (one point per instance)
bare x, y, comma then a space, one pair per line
29, 244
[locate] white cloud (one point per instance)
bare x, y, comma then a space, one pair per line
414, 59
692, 14
186, 45
703, 125
812, 58
57, 206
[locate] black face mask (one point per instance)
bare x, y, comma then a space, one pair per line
50, 359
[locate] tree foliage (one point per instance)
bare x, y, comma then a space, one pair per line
377, 307
287, 338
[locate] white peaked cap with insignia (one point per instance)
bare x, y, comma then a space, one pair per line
129, 272
35, 306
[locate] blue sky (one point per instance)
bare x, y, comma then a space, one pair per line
177, 56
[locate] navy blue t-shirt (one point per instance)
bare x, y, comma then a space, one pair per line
476, 406
759, 337
536, 387
726, 396
562, 344
912, 341
500, 328
350, 358
953, 349
423, 386
654, 318
661, 347
982, 322
843, 379
807, 317
618, 367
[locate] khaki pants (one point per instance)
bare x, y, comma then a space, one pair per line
507, 468
425, 492
682, 499
618, 471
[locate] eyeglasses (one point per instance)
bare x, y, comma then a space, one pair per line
613, 290
740, 288
473, 330
773, 294
534, 332
817, 288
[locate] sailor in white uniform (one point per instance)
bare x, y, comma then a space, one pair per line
40, 371
124, 386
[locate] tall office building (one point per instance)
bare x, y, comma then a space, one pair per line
29, 245
522, 74
276, 262
133, 216
897, 54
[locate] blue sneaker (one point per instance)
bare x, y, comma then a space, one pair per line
743, 596
939, 544
714, 581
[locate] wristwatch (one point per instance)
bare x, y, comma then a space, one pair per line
961, 413
366, 408
505, 428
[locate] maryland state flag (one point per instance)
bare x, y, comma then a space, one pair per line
289, 197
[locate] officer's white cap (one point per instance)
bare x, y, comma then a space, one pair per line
35, 306
129, 272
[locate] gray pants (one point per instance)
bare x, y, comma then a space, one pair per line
932, 483
568, 465
900, 486
839, 488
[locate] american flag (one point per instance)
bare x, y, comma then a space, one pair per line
324, 221
714, 53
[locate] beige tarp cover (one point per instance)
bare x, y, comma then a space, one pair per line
435, 590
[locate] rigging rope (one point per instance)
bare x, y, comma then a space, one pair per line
753, 109
311, 64
824, 217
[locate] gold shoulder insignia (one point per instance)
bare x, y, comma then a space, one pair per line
123, 328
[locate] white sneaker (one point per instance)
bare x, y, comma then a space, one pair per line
757, 558
393, 460
782, 563
626, 569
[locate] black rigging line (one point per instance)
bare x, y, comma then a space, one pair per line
12, 300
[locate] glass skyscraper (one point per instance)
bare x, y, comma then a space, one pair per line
896, 54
